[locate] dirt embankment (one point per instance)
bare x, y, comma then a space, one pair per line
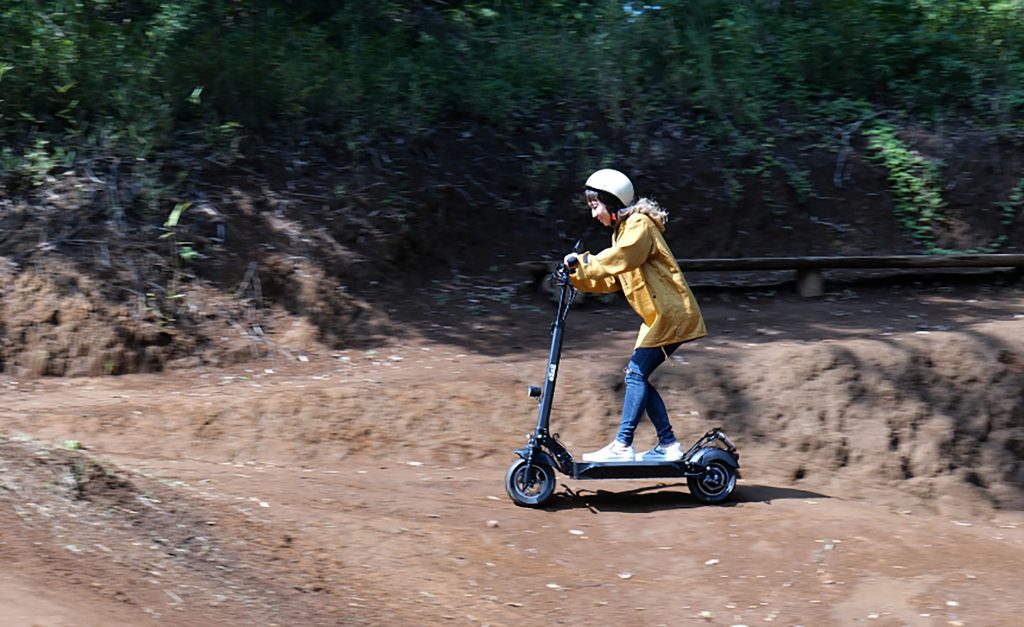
918, 389
291, 249
880, 433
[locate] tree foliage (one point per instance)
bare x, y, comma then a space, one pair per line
130, 76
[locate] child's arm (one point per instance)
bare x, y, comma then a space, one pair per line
630, 251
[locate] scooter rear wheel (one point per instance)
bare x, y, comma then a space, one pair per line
715, 484
529, 485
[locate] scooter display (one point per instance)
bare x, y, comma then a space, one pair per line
710, 466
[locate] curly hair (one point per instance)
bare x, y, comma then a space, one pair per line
647, 207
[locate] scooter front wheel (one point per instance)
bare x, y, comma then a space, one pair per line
715, 484
529, 485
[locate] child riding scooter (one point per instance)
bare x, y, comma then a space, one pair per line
641, 264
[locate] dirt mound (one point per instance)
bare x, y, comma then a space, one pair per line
58, 321
144, 545
55, 323
941, 417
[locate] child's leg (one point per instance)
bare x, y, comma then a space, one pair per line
658, 414
643, 362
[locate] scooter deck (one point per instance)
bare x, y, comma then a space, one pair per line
633, 470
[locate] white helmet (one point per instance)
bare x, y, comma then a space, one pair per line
614, 182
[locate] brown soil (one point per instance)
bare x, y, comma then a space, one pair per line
317, 412
880, 430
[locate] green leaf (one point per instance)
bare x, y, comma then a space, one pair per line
175, 215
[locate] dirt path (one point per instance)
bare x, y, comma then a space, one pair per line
365, 486
403, 543
431, 542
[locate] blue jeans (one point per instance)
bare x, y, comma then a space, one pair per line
642, 397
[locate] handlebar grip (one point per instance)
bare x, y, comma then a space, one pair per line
728, 442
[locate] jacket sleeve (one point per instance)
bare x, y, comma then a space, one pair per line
604, 285
630, 250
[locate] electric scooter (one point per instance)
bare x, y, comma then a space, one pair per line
710, 466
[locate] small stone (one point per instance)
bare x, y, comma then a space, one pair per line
711, 562
493, 524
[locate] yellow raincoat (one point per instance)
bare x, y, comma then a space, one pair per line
640, 263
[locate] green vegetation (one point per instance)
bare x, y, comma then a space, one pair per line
132, 73
164, 303
178, 248
100, 77
1009, 210
915, 182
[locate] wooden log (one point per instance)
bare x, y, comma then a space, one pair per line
994, 260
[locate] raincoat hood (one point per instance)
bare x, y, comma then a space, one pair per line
649, 208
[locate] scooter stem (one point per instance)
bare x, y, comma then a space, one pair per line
557, 332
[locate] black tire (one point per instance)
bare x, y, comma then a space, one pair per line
529, 487
715, 484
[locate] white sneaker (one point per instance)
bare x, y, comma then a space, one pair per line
671, 453
614, 452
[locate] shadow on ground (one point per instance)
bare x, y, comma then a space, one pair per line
670, 496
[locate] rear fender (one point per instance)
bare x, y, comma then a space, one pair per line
708, 454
